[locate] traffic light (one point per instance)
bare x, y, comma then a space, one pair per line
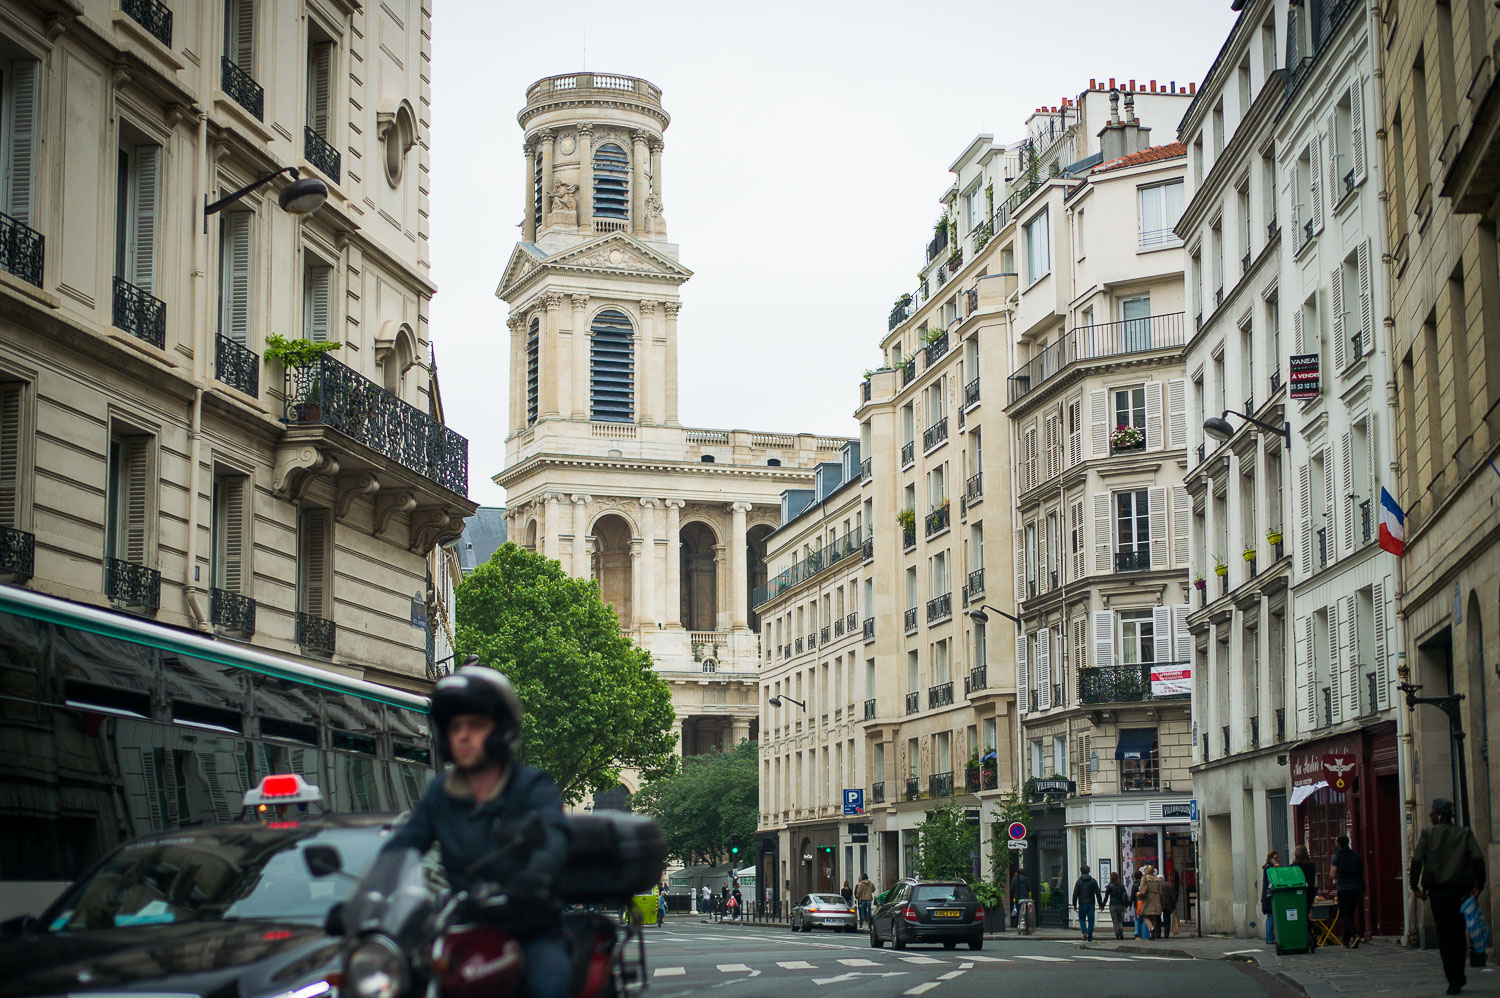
827, 849
734, 845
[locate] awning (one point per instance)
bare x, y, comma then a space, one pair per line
1300, 794
1135, 743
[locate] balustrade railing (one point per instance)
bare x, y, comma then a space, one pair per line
241, 86
940, 695
154, 16
21, 250
140, 313
851, 619
938, 519
976, 680
1102, 340
866, 469
131, 584
913, 788
319, 153
976, 582
315, 633
877, 792
1126, 683
867, 549
869, 628
940, 608
937, 348
935, 434
17, 552
913, 702
971, 392
940, 785
908, 452
870, 709
826, 633
231, 611
1135, 560
974, 488
1366, 521
911, 620
836, 551
237, 365
908, 537
908, 372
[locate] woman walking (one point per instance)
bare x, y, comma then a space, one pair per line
1136, 900
1151, 900
1273, 858
1348, 872
1116, 898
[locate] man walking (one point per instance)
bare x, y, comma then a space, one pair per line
1021, 900
1086, 898
1168, 906
1348, 872
1449, 867
864, 891
708, 901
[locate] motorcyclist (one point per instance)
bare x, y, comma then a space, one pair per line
484, 791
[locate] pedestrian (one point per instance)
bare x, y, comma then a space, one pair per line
736, 902
723, 900
1116, 896
847, 893
1086, 897
1446, 868
864, 891
1273, 858
1141, 931
661, 904
708, 900
1151, 900
1302, 860
1168, 906
1347, 870
1021, 900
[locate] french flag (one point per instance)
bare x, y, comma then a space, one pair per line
1392, 525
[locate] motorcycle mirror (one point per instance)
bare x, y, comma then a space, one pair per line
322, 860
333, 924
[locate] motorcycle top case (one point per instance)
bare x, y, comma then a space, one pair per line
613, 854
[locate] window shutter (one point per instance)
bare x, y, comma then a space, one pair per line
1304, 500
1366, 303
233, 535
1181, 636
1182, 514
1085, 775
1315, 182
242, 51
1153, 415
1044, 668
1307, 675
1022, 680
1054, 447
315, 562
10, 453
1099, 419
1075, 410
319, 80
1336, 294
1297, 329
147, 205
1382, 659
1101, 533
1031, 455
1297, 234
1350, 657
1104, 638
1020, 566
1331, 503
1161, 634
20, 146
1357, 127
1080, 556
1080, 642
1348, 493
1176, 413
1335, 177
1336, 697
234, 276
137, 487
319, 302
1156, 511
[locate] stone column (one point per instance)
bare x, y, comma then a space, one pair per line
645, 373
656, 145
655, 221
650, 613
580, 379
721, 609
669, 365
635, 584
673, 592
586, 177
528, 220
517, 326
739, 568
680, 723
739, 730
548, 368
547, 138
638, 154
551, 525
580, 527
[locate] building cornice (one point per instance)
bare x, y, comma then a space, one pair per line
533, 464
1253, 129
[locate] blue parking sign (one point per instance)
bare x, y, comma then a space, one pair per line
854, 801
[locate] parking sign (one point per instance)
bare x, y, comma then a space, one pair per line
854, 802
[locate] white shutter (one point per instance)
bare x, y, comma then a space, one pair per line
20, 138
1297, 236
146, 181
1085, 775
137, 486
234, 276
1297, 329
1305, 675
1336, 693
319, 77
1315, 182
1335, 176
1022, 679
1101, 534
1336, 294
1351, 661
1044, 668
1156, 510
1153, 415
1348, 493
1382, 655
241, 25
1099, 421
1161, 634
1104, 638
1080, 557
1357, 127
1075, 410
1020, 566
1030, 451
1182, 637
1366, 303
1304, 501
1182, 517
314, 542
319, 294
1176, 413
231, 530
11, 395
1331, 502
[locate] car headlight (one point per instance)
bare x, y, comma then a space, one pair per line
376, 969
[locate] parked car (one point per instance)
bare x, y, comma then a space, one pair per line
929, 911
823, 911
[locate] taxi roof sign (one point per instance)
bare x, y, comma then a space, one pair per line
283, 788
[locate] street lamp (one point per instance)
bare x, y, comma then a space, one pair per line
776, 702
1218, 426
983, 617
1448, 705
303, 196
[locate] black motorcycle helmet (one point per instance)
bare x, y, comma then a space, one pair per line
474, 689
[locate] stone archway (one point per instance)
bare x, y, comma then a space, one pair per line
756, 572
699, 577
531, 536
612, 566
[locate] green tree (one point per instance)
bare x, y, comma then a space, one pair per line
594, 704
945, 845
715, 796
1014, 806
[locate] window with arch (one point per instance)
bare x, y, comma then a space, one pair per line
533, 368
611, 368
611, 182
536, 191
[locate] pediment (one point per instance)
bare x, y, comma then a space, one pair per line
613, 253
524, 260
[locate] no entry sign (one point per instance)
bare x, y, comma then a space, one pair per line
1017, 830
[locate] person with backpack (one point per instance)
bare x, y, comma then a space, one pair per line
1347, 869
1117, 897
1086, 897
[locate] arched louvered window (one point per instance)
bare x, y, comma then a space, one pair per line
536, 192
533, 368
612, 368
611, 182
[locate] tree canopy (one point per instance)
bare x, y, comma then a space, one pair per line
716, 795
594, 704
945, 845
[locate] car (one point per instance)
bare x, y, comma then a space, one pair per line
236, 908
823, 911
928, 911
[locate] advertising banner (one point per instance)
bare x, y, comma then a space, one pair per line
1303, 379
1172, 679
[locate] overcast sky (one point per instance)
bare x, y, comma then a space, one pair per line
808, 148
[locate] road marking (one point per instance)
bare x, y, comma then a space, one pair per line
859, 963
966, 965
851, 975
670, 971
988, 959
1043, 959
921, 988
737, 968
795, 965
950, 975
1241, 952
1175, 959
1106, 959
920, 959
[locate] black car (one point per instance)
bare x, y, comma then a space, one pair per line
929, 911
228, 909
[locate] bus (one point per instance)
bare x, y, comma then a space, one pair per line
113, 726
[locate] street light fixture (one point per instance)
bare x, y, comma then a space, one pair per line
776, 702
303, 196
983, 617
1219, 428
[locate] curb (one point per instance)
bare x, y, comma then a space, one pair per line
1169, 951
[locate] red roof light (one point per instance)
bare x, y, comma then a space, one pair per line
279, 786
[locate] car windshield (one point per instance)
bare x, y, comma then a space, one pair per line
248, 871
825, 899
942, 892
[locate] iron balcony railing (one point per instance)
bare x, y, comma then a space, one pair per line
940, 785
877, 792
913, 788
1273, 228
131, 584
938, 243
241, 86
1198, 321
1122, 683
869, 628
940, 608
1110, 339
826, 634
936, 349
1218, 296
1322, 547
836, 551
900, 312
1150, 238
908, 537
1281, 724
976, 680
865, 387
866, 469
851, 619
1307, 231
971, 301
1245, 263
1366, 521
21, 250
956, 261
908, 372
154, 16
870, 709
911, 620
940, 695
17, 553
935, 434
1224, 731
908, 452
974, 488
329, 393
1254, 731
140, 313
867, 549
1134, 560
913, 702
971, 392
1249, 403
231, 611
976, 582
797, 647
319, 153
937, 520
237, 366
315, 633
1275, 382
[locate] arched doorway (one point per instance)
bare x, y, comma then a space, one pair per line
612, 568
756, 572
531, 536
699, 577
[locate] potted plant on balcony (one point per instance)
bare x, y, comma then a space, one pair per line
1221, 567
907, 518
1249, 554
930, 334
1126, 437
1200, 583
299, 353
1273, 535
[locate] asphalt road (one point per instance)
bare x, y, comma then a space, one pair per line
688, 957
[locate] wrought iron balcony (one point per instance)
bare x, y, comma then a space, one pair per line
940, 785
1254, 731
825, 634
865, 387
1249, 403
940, 608
334, 395
1307, 232
241, 86
231, 611
315, 633
1273, 228
908, 452
866, 469
971, 301
938, 244
936, 348
900, 312
938, 519
940, 695
877, 792
1135, 560
17, 553
974, 489
317, 151
237, 366
913, 702
956, 261
1198, 322
1202, 452
140, 314
1245, 263
935, 434
911, 620
913, 788
908, 537
1281, 724
21, 250
1366, 521
131, 584
1219, 296
1348, 183
908, 372
870, 709
1322, 547
971, 392
1098, 342
976, 680
851, 620
976, 582
154, 16
1275, 382
867, 549
1121, 683
1224, 731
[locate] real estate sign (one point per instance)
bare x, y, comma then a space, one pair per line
1172, 679
1303, 376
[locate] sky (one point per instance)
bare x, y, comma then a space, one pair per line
809, 145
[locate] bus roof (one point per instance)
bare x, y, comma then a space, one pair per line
51, 609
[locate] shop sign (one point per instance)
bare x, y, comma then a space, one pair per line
1183, 810
1054, 786
1303, 376
854, 801
859, 832
1172, 680
1339, 769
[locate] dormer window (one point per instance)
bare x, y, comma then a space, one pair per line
611, 182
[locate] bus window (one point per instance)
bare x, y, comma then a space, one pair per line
284, 700
351, 783
96, 659
274, 758
204, 693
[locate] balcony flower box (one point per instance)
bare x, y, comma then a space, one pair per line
1200, 583
1221, 570
1126, 438
306, 412
1249, 554
1273, 537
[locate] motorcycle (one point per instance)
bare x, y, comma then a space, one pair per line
403, 939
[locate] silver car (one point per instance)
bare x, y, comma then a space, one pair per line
823, 911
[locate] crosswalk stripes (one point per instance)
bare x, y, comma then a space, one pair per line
969, 961
920, 959
1104, 959
795, 965
921, 988
986, 959
1043, 959
670, 971
859, 963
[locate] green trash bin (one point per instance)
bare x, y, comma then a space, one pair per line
1289, 908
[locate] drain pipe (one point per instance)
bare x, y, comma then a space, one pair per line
191, 590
